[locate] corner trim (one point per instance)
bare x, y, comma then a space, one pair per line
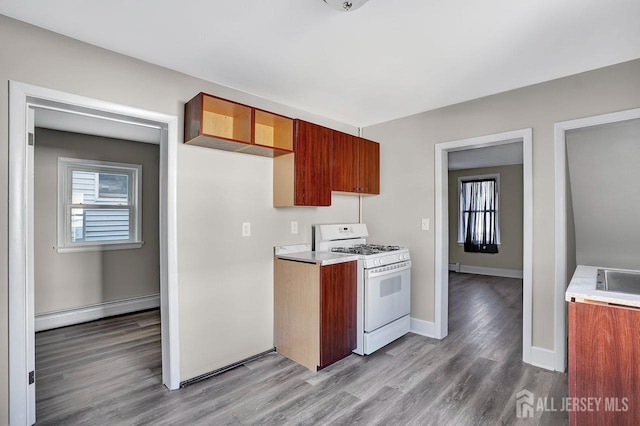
441, 262
23, 98
423, 328
560, 220
72, 316
494, 272
543, 358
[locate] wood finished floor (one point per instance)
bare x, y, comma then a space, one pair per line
108, 372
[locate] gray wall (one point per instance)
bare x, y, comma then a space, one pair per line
225, 281
225, 299
509, 254
604, 170
571, 229
407, 169
70, 280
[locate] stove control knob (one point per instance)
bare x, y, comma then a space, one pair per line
377, 262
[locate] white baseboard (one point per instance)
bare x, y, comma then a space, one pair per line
455, 266
94, 312
543, 358
423, 328
495, 272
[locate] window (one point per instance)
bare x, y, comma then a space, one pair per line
99, 205
478, 221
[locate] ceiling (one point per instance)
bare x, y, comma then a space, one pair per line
97, 125
491, 156
386, 60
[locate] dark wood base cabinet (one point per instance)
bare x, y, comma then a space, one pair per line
604, 364
314, 311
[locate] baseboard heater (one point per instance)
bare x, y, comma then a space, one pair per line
213, 373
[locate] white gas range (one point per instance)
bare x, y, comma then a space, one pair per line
384, 283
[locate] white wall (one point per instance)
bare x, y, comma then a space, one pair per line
71, 280
225, 281
407, 170
604, 172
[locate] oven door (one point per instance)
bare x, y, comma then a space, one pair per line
387, 294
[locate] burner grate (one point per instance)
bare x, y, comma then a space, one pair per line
365, 249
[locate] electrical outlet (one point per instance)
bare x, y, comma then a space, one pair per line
246, 229
425, 224
294, 227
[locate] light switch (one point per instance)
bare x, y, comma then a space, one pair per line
294, 227
425, 224
246, 229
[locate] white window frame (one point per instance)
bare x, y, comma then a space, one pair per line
66, 167
463, 179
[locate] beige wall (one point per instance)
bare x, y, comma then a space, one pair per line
225, 281
69, 280
604, 170
407, 169
509, 254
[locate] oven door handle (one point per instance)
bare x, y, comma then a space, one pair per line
387, 270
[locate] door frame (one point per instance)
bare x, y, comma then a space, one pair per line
23, 98
560, 217
525, 136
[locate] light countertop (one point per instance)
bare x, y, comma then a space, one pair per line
321, 258
583, 286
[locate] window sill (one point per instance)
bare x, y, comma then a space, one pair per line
99, 247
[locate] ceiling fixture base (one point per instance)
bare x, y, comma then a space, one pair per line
345, 5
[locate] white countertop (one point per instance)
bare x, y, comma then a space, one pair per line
321, 258
583, 286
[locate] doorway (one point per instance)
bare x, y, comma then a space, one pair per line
442, 151
24, 101
562, 274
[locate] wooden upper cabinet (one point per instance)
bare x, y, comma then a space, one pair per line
355, 164
344, 163
304, 177
312, 150
369, 163
218, 123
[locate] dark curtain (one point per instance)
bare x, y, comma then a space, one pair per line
479, 215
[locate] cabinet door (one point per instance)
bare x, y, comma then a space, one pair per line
338, 294
344, 163
369, 166
312, 148
604, 362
